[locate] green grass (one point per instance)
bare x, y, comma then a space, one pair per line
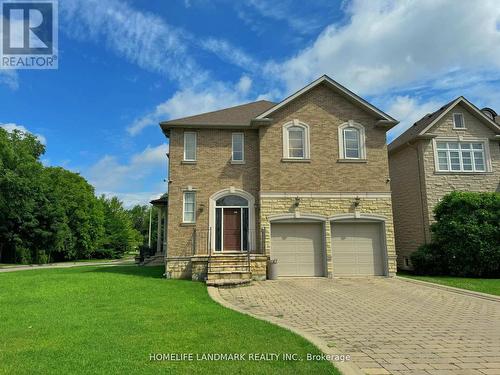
107, 320
124, 259
489, 286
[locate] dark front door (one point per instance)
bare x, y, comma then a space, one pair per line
232, 229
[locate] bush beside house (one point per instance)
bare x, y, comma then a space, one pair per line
465, 237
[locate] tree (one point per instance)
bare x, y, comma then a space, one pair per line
26, 216
120, 236
82, 227
140, 216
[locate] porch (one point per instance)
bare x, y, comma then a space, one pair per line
220, 266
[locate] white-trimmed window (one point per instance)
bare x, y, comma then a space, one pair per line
189, 207
296, 140
458, 121
352, 141
189, 146
238, 148
453, 156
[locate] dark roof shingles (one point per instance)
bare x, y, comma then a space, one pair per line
238, 115
414, 130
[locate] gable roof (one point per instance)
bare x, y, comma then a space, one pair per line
246, 114
384, 117
420, 127
239, 115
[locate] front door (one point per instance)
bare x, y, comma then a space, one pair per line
232, 228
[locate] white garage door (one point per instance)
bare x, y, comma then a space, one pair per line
298, 248
357, 249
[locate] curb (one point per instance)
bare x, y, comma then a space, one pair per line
451, 289
346, 368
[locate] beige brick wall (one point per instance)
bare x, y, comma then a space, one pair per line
212, 172
439, 184
323, 110
410, 233
408, 192
330, 207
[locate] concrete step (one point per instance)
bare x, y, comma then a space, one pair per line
228, 282
228, 267
228, 275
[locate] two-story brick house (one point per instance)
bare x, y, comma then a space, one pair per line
453, 148
304, 181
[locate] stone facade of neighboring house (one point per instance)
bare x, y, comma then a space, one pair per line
304, 181
454, 148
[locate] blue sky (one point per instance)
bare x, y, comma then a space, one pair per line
126, 65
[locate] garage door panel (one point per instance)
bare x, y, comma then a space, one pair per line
357, 249
298, 248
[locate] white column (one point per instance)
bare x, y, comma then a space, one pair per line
164, 248
159, 234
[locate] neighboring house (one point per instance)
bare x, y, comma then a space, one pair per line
304, 181
454, 148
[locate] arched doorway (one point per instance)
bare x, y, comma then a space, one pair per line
232, 221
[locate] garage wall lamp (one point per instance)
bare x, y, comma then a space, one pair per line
297, 201
357, 202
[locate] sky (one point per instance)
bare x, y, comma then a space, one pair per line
126, 65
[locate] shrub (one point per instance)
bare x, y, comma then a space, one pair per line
428, 260
465, 237
105, 253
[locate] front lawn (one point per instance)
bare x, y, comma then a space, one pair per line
489, 286
108, 320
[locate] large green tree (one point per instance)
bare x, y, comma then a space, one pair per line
120, 236
52, 214
26, 215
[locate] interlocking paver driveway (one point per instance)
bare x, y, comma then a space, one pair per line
389, 326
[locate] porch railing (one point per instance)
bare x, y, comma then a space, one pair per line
203, 242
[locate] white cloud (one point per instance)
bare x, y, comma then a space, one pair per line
227, 52
143, 38
108, 174
9, 78
10, 127
131, 199
408, 110
394, 44
284, 11
191, 100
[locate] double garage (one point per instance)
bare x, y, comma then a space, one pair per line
358, 248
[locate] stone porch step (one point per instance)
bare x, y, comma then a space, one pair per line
235, 275
228, 267
228, 282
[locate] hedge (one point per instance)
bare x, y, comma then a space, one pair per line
465, 237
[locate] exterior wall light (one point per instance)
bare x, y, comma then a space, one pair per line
297, 201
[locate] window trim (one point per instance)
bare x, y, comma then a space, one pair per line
486, 152
463, 121
195, 146
286, 150
362, 142
242, 161
184, 221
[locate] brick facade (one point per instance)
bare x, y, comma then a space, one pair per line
323, 110
417, 186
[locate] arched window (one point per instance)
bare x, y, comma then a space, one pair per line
296, 140
352, 141
231, 200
